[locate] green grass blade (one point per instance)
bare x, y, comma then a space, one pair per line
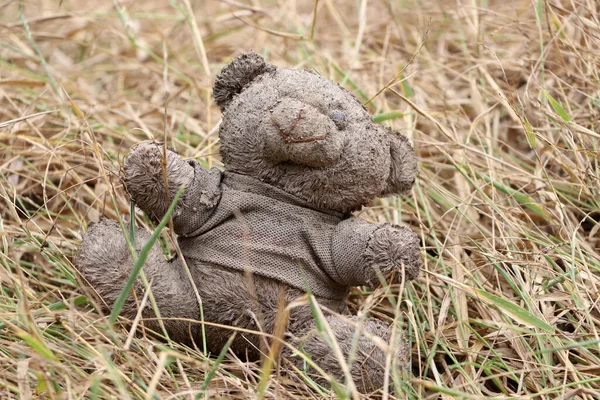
218, 362
511, 309
118, 306
530, 134
37, 345
521, 198
386, 116
557, 107
61, 305
516, 312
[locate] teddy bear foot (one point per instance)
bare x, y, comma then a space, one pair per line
369, 366
105, 263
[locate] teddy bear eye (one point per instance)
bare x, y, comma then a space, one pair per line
338, 118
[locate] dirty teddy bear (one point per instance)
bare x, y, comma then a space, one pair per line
300, 155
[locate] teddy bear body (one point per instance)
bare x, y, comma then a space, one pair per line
300, 154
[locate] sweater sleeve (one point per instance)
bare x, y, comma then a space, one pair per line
153, 192
199, 200
349, 245
364, 252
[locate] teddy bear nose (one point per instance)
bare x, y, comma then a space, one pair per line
298, 122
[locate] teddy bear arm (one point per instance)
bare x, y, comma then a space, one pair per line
363, 252
200, 198
146, 183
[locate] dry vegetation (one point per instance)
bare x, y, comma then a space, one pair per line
501, 98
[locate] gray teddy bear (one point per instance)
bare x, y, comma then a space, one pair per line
300, 154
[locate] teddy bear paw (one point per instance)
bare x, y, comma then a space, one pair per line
392, 246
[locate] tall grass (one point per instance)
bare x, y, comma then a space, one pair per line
502, 101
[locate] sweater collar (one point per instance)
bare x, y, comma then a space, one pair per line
246, 183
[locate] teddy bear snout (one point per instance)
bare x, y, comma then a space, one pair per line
301, 133
298, 122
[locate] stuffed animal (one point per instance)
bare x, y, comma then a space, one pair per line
300, 154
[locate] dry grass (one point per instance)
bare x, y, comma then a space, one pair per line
502, 101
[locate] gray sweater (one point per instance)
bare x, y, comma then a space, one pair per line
261, 229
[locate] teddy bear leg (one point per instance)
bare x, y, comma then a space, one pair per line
369, 367
105, 263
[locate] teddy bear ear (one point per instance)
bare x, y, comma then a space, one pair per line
236, 75
403, 165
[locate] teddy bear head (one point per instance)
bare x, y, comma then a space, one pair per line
300, 132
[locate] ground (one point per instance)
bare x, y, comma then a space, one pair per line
500, 98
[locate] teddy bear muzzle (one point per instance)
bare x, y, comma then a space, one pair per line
298, 132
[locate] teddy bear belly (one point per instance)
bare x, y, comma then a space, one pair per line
231, 299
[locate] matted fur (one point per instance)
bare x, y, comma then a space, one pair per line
314, 145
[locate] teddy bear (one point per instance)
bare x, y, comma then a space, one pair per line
300, 155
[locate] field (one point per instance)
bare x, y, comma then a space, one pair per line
500, 98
